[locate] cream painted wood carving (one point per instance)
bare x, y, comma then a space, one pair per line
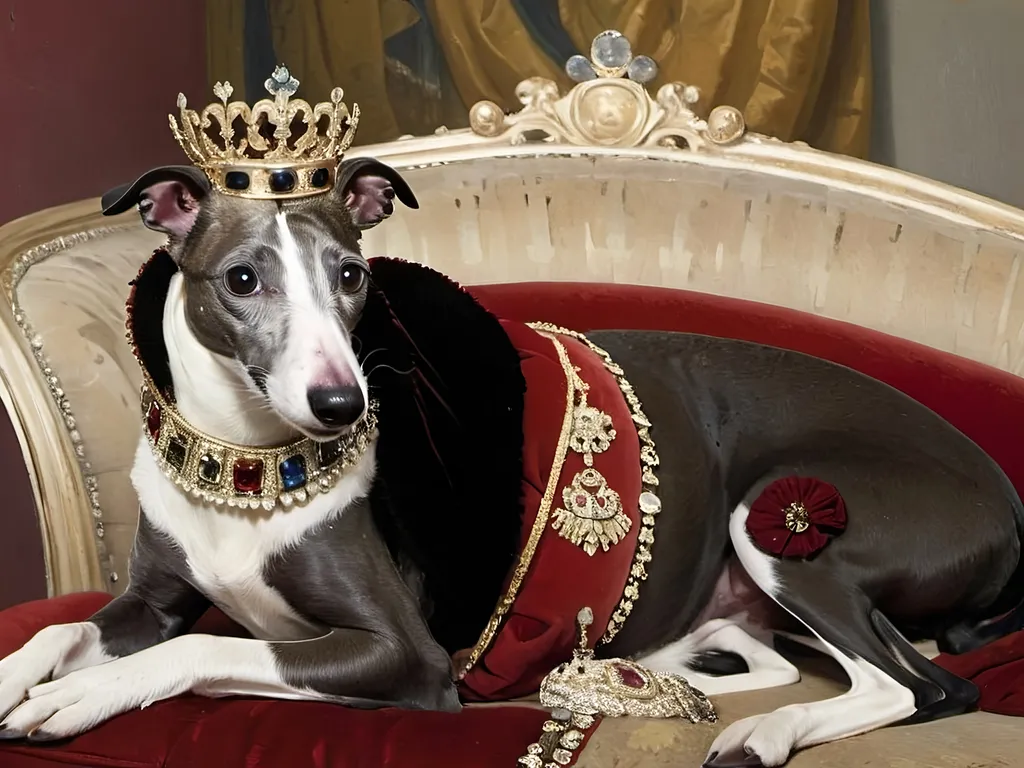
603, 183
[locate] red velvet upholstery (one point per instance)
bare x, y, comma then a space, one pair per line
983, 402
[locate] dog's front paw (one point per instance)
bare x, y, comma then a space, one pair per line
43, 657
79, 701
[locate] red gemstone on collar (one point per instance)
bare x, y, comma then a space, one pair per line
153, 420
248, 475
630, 677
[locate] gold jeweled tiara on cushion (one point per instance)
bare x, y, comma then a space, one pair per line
287, 149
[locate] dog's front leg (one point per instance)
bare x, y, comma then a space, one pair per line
348, 666
157, 605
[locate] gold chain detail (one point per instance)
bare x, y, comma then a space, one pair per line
650, 504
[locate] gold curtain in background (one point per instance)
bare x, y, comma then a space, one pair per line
799, 69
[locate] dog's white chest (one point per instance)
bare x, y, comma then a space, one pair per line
227, 551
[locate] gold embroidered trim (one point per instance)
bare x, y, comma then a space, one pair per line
540, 523
650, 504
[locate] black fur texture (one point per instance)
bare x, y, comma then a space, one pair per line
448, 494
146, 316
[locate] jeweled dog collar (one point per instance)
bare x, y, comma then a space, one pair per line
213, 470
245, 476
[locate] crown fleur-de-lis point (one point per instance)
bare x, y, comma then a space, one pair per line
611, 56
281, 83
223, 91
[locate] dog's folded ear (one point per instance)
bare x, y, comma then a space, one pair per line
369, 188
168, 198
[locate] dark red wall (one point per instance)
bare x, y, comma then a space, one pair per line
85, 90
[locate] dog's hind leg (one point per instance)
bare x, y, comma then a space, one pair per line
766, 668
882, 691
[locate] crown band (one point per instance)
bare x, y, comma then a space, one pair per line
266, 181
288, 148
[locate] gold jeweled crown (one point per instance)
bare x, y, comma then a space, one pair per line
286, 149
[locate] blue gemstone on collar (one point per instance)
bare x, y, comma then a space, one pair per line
293, 472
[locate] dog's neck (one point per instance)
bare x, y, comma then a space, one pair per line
211, 391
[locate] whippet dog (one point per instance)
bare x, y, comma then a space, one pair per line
258, 324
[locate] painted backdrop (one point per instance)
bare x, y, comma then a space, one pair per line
799, 69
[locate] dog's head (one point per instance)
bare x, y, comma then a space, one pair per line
277, 286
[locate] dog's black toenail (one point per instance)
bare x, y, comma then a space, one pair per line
40, 735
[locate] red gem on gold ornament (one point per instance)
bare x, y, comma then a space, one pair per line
248, 475
153, 420
630, 677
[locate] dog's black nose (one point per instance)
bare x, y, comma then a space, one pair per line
336, 406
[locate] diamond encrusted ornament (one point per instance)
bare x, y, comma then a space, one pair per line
586, 688
591, 516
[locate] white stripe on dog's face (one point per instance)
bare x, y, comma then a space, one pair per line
317, 353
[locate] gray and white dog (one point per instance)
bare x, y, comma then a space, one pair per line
258, 325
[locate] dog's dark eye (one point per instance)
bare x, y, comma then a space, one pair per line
352, 278
241, 280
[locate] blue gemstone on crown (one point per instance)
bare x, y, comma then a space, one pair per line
282, 181
293, 472
320, 178
237, 180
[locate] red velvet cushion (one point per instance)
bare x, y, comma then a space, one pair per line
982, 401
